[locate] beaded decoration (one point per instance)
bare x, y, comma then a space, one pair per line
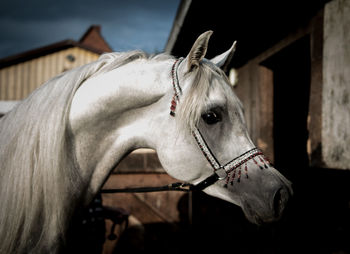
231, 170
205, 149
235, 166
176, 86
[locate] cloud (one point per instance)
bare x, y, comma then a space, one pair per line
19, 35
126, 25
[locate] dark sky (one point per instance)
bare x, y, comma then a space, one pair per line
126, 25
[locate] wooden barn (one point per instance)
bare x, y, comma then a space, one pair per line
21, 74
292, 62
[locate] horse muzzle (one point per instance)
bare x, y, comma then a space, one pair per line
268, 207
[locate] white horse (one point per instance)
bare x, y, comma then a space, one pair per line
60, 144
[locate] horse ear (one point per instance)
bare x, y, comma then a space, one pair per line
224, 58
198, 50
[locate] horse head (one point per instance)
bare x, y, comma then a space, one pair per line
209, 120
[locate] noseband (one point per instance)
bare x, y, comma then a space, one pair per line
229, 171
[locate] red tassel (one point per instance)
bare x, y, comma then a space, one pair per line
227, 179
239, 175
263, 162
233, 177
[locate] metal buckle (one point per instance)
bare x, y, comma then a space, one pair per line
221, 173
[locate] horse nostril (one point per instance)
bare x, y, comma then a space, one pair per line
279, 201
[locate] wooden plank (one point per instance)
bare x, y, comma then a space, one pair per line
3, 83
243, 91
19, 81
265, 112
38, 73
25, 80
33, 75
59, 62
255, 89
10, 83
314, 143
336, 88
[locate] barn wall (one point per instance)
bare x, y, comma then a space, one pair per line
328, 144
19, 80
255, 89
336, 85
139, 169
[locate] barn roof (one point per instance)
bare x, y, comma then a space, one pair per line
92, 40
256, 25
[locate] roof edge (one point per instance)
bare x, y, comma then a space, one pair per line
42, 51
178, 22
96, 28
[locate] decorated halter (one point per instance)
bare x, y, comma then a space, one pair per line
231, 170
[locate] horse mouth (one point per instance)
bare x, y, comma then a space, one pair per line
259, 218
252, 216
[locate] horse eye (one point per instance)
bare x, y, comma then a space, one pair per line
211, 117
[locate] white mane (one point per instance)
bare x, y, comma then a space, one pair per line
38, 178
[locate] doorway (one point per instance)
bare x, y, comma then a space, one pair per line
291, 81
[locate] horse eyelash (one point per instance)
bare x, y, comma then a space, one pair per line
217, 108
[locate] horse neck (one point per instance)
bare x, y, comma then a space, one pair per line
130, 86
110, 115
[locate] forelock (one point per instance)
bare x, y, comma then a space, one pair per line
194, 100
